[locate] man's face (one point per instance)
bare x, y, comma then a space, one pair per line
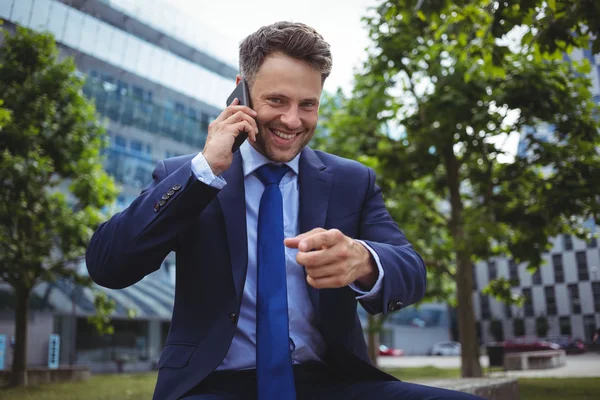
285, 94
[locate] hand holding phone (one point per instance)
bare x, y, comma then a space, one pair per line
241, 93
229, 130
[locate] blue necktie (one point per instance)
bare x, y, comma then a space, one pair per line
275, 378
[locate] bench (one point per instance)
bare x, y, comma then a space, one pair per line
543, 359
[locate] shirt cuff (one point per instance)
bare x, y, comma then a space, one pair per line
204, 174
374, 292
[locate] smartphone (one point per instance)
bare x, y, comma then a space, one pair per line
240, 92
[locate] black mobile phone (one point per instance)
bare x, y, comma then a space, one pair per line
240, 92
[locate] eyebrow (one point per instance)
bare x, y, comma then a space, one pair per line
276, 94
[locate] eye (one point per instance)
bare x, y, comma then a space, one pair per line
308, 104
274, 100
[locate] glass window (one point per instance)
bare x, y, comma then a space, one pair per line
120, 141
596, 294
537, 277
21, 11
39, 16
73, 28
485, 307
550, 300
565, 325
89, 35
592, 243
557, 263
567, 242
136, 146
582, 266
492, 270
574, 298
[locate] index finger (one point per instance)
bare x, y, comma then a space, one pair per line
316, 241
293, 242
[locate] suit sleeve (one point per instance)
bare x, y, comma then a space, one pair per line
404, 279
134, 242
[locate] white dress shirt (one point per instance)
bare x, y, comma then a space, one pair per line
306, 342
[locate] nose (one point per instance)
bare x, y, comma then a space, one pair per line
291, 119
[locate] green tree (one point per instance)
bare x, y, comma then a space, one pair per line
430, 111
53, 183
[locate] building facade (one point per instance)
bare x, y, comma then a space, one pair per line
566, 289
158, 78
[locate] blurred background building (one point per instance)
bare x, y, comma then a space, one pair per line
566, 290
158, 78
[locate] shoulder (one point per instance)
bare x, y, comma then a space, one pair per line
344, 166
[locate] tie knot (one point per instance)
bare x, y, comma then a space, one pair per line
271, 174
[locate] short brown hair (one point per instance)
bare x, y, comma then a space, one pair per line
293, 39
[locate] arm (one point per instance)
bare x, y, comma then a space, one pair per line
134, 242
404, 279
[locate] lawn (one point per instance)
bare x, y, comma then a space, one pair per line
140, 387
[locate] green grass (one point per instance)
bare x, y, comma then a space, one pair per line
141, 386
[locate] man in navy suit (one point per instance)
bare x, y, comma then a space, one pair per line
275, 244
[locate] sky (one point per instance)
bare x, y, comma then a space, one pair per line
338, 21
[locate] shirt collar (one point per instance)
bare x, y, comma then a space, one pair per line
253, 160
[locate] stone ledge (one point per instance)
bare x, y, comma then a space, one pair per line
504, 388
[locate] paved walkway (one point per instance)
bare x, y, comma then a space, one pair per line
585, 365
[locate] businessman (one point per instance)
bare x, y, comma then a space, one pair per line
275, 244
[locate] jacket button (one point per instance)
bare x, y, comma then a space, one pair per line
233, 317
165, 196
171, 192
177, 187
156, 206
391, 305
162, 203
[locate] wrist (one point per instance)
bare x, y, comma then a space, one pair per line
369, 270
216, 168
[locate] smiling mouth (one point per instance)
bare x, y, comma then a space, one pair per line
283, 135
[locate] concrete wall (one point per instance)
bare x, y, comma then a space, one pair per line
38, 335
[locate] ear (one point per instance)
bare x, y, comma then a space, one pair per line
238, 78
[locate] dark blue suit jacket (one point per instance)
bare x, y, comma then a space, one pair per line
207, 230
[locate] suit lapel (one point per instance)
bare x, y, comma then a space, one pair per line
233, 203
315, 189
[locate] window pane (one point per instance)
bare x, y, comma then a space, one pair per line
39, 17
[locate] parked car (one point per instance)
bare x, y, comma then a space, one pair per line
528, 344
388, 351
569, 345
445, 349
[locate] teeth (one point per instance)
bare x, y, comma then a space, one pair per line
283, 135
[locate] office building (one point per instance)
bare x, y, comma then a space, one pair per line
158, 78
566, 290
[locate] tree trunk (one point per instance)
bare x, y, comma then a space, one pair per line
470, 366
18, 374
373, 338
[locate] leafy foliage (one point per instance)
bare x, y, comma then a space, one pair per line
446, 85
54, 185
